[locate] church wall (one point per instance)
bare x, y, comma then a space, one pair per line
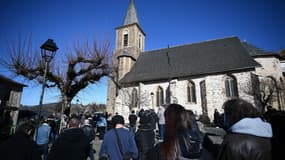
244, 86
150, 102
119, 39
215, 93
270, 64
111, 96
181, 94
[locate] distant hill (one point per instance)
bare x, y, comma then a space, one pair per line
51, 108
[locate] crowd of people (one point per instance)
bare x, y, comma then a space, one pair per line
249, 135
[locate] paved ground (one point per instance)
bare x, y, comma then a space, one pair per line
97, 146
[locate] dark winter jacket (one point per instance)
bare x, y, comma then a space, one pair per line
248, 139
133, 119
145, 139
89, 132
149, 117
71, 144
19, 147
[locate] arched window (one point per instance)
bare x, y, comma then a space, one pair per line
126, 38
203, 97
159, 97
191, 92
231, 86
140, 39
168, 95
134, 102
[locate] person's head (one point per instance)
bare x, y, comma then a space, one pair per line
175, 115
133, 112
86, 121
237, 109
118, 119
74, 122
175, 121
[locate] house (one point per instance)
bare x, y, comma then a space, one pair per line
200, 76
10, 99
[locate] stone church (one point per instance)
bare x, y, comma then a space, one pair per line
148, 79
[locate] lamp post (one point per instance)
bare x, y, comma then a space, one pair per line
48, 50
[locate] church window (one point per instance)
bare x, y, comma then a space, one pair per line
203, 96
159, 97
134, 101
168, 95
231, 86
126, 38
140, 39
191, 92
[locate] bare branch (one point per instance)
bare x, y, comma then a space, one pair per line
83, 65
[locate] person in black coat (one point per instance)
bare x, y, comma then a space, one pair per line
133, 121
145, 136
248, 136
21, 145
89, 132
71, 144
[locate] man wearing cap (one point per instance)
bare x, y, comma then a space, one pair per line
110, 146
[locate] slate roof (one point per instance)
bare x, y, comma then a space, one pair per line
209, 57
257, 52
131, 16
253, 50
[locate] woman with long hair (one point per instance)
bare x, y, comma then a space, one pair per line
176, 124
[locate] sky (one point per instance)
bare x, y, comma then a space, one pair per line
165, 22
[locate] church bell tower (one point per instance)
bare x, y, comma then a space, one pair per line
130, 42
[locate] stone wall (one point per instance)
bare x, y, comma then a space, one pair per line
215, 93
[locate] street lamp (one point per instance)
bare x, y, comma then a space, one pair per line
48, 50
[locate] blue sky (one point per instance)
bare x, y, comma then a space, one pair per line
165, 22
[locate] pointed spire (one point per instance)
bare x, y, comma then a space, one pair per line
131, 16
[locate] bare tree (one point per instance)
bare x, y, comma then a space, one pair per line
82, 65
265, 90
134, 100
